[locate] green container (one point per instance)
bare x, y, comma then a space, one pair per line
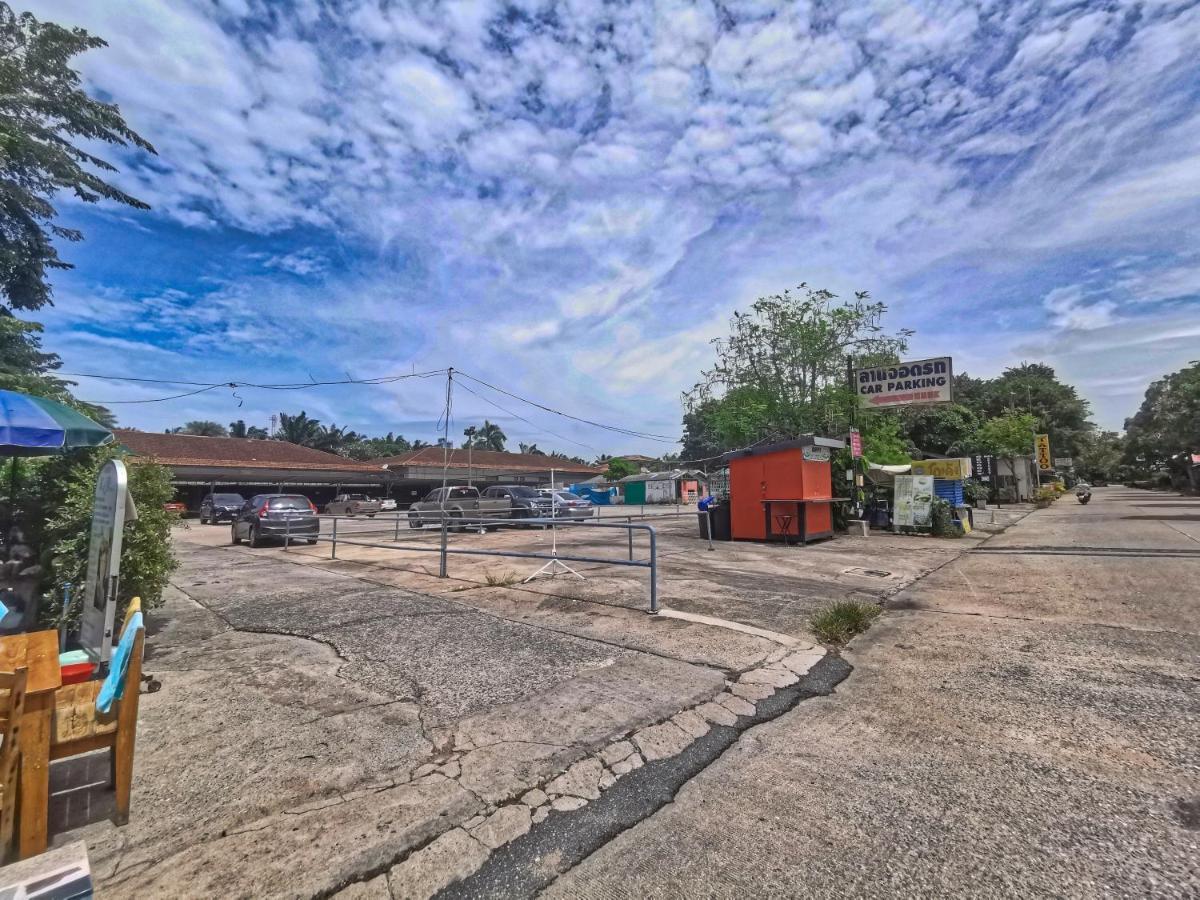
635, 493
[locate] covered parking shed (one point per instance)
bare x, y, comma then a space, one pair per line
248, 466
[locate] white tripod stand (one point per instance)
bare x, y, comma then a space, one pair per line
555, 565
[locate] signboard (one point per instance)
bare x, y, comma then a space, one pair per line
111, 508
922, 381
983, 467
815, 454
1064, 462
1041, 446
914, 501
855, 444
949, 469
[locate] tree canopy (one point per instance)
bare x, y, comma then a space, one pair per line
44, 114
1168, 421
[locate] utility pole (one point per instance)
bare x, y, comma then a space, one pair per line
445, 465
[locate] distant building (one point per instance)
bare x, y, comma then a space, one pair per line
249, 466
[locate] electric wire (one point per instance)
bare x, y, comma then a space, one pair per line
533, 425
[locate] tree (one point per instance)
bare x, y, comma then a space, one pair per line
487, 436
532, 449
1168, 421
203, 428
620, 468
947, 429
43, 108
239, 429
298, 429
377, 448
333, 438
1101, 457
782, 370
1007, 435
1034, 387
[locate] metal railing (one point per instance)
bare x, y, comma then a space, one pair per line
447, 524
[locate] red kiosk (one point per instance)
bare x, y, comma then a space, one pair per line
782, 492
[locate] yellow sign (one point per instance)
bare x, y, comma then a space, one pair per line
951, 469
1042, 444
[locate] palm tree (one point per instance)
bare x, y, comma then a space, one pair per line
532, 450
419, 444
240, 429
333, 438
491, 437
299, 429
472, 435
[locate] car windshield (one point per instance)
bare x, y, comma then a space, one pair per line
289, 503
523, 493
356, 496
565, 496
228, 499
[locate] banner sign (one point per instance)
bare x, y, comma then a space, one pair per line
906, 384
1042, 446
1064, 462
914, 501
855, 444
983, 467
949, 469
111, 508
815, 454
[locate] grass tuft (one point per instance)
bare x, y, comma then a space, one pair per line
839, 622
501, 579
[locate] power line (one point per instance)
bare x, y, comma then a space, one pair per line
614, 428
202, 390
525, 420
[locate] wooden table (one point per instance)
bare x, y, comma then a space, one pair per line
38, 652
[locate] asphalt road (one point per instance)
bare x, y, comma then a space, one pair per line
1025, 721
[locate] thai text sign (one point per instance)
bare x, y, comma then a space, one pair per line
1042, 445
905, 384
855, 443
950, 469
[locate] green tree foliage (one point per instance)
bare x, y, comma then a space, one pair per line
1101, 457
782, 370
1010, 434
488, 436
203, 428
65, 490
43, 110
531, 449
946, 429
620, 468
1034, 388
240, 429
1168, 421
883, 440
298, 429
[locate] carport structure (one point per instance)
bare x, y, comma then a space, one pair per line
249, 466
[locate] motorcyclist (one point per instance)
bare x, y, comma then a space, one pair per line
1083, 492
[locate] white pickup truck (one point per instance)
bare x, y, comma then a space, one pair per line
352, 505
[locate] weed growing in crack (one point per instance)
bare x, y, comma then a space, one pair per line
840, 621
501, 579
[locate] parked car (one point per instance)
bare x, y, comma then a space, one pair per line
388, 505
215, 507
568, 505
460, 502
523, 502
276, 516
176, 507
352, 505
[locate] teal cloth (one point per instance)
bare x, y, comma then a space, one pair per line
114, 684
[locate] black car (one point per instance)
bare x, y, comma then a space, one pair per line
276, 516
215, 507
526, 502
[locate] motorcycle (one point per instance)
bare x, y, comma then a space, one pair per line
1083, 495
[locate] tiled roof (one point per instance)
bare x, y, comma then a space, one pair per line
241, 453
487, 459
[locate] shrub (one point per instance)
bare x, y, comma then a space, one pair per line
501, 579
67, 486
840, 621
976, 492
941, 519
1045, 496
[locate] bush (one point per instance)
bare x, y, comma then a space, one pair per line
941, 519
839, 622
1045, 496
976, 492
67, 486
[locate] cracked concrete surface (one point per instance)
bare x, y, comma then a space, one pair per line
330, 726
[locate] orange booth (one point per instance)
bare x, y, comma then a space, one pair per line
782, 492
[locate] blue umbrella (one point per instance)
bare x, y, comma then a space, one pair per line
35, 426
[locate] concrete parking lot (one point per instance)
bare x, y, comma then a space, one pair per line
329, 724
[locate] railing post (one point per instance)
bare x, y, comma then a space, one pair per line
442, 565
653, 571
396, 533
287, 532
710, 527
629, 533
333, 547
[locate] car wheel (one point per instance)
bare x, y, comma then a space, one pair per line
255, 539
370, 515
203, 521
234, 539
414, 520
311, 541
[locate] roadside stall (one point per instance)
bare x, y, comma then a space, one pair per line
782, 492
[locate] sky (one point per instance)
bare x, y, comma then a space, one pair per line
568, 200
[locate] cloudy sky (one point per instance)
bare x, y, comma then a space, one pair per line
568, 199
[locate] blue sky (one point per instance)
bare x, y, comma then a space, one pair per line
569, 199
